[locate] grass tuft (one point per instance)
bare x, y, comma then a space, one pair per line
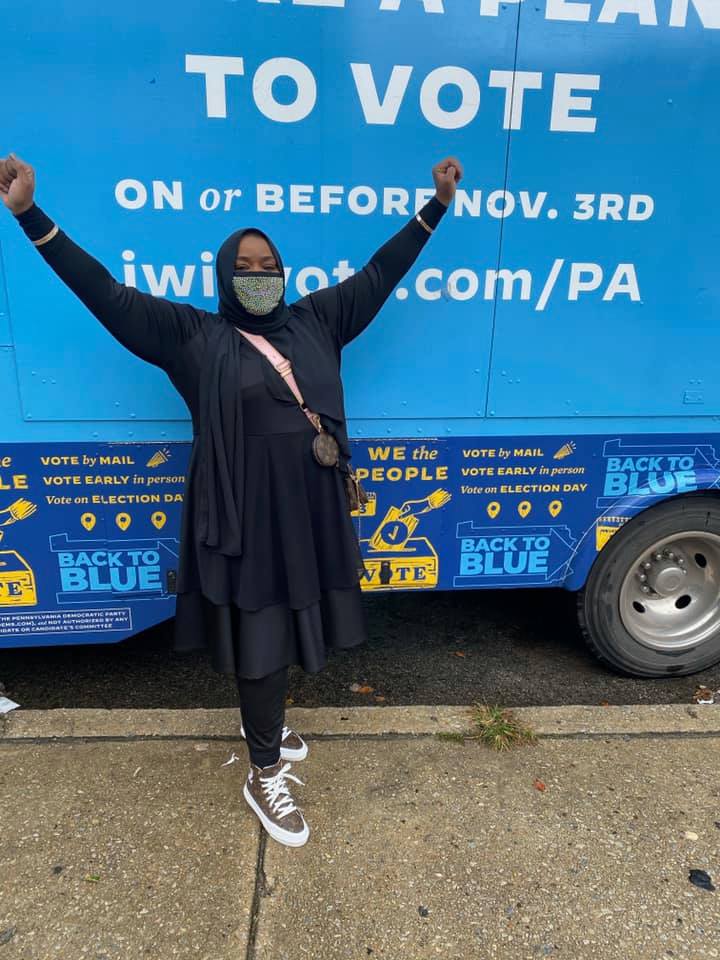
498, 727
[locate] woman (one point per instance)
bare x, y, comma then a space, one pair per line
269, 561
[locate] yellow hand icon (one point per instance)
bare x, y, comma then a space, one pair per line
400, 522
19, 510
435, 501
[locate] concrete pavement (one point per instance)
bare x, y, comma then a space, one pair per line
123, 834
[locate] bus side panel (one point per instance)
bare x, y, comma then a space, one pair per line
613, 310
88, 540
89, 532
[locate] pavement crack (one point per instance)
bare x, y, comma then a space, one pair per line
262, 889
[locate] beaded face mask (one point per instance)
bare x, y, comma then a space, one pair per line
259, 293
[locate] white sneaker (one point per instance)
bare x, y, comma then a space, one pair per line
266, 791
292, 746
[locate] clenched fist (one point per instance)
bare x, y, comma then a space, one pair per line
447, 174
17, 184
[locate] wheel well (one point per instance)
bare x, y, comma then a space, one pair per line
586, 558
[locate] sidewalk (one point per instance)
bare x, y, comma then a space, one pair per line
124, 835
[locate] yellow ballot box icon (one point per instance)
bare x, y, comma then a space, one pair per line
17, 581
416, 567
394, 557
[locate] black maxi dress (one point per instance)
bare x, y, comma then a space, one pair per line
294, 592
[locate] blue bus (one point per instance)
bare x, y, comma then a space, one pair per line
537, 406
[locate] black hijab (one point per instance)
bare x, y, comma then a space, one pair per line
230, 307
221, 434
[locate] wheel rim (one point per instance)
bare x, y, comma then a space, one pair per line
670, 597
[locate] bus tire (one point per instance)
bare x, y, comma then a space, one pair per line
651, 604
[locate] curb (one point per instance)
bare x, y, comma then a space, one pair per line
570, 721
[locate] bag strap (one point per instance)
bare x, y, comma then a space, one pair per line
283, 366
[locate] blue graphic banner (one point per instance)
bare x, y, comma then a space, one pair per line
89, 533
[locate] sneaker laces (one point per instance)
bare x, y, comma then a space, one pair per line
276, 790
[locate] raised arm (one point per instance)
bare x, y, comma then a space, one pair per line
348, 307
150, 327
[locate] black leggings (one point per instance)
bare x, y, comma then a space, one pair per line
262, 707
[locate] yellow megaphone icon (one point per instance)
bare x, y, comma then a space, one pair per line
158, 519
88, 520
123, 520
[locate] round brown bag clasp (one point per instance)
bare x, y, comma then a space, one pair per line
326, 450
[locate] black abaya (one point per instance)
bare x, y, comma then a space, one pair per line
292, 591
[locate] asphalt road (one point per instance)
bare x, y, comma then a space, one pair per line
516, 648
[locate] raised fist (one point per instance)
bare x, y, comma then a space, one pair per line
17, 184
447, 174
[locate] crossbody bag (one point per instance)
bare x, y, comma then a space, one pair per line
324, 447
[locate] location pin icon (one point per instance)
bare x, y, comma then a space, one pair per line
158, 519
88, 520
555, 508
524, 508
123, 520
493, 509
